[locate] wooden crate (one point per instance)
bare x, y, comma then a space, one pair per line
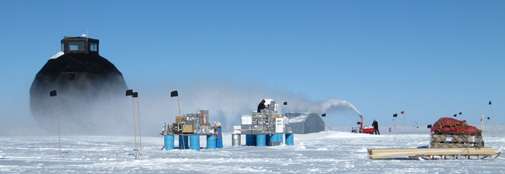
188, 129
178, 119
278, 116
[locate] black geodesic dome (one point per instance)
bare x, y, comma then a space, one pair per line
86, 82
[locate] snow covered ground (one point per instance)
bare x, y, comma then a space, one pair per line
324, 152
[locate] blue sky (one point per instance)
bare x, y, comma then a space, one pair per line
430, 58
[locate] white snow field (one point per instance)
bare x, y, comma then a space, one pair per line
323, 152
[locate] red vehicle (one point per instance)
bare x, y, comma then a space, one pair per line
361, 129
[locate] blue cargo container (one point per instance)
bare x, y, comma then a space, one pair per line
183, 142
261, 140
289, 139
219, 138
211, 141
195, 142
169, 142
250, 140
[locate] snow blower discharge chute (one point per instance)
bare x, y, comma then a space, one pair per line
361, 129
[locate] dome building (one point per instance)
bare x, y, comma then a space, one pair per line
87, 84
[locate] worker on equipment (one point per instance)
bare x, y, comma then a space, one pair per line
375, 125
261, 106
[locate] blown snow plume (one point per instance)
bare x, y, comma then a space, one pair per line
226, 102
333, 104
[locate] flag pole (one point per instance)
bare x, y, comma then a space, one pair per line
134, 127
58, 120
183, 142
178, 103
490, 119
395, 116
138, 117
395, 130
482, 123
404, 129
174, 94
54, 94
287, 110
129, 92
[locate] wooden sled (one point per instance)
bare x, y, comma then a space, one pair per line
430, 153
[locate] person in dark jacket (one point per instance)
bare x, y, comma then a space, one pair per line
375, 125
261, 106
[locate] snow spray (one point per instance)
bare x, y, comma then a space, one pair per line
336, 104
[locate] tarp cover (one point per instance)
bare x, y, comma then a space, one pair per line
449, 125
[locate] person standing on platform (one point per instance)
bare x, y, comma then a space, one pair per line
261, 106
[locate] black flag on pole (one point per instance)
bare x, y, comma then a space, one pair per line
53, 93
489, 102
129, 92
174, 94
395, 115
135, 95
323, 115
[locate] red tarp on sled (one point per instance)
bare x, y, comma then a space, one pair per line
453, 126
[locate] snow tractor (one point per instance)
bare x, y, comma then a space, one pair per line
361, 129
